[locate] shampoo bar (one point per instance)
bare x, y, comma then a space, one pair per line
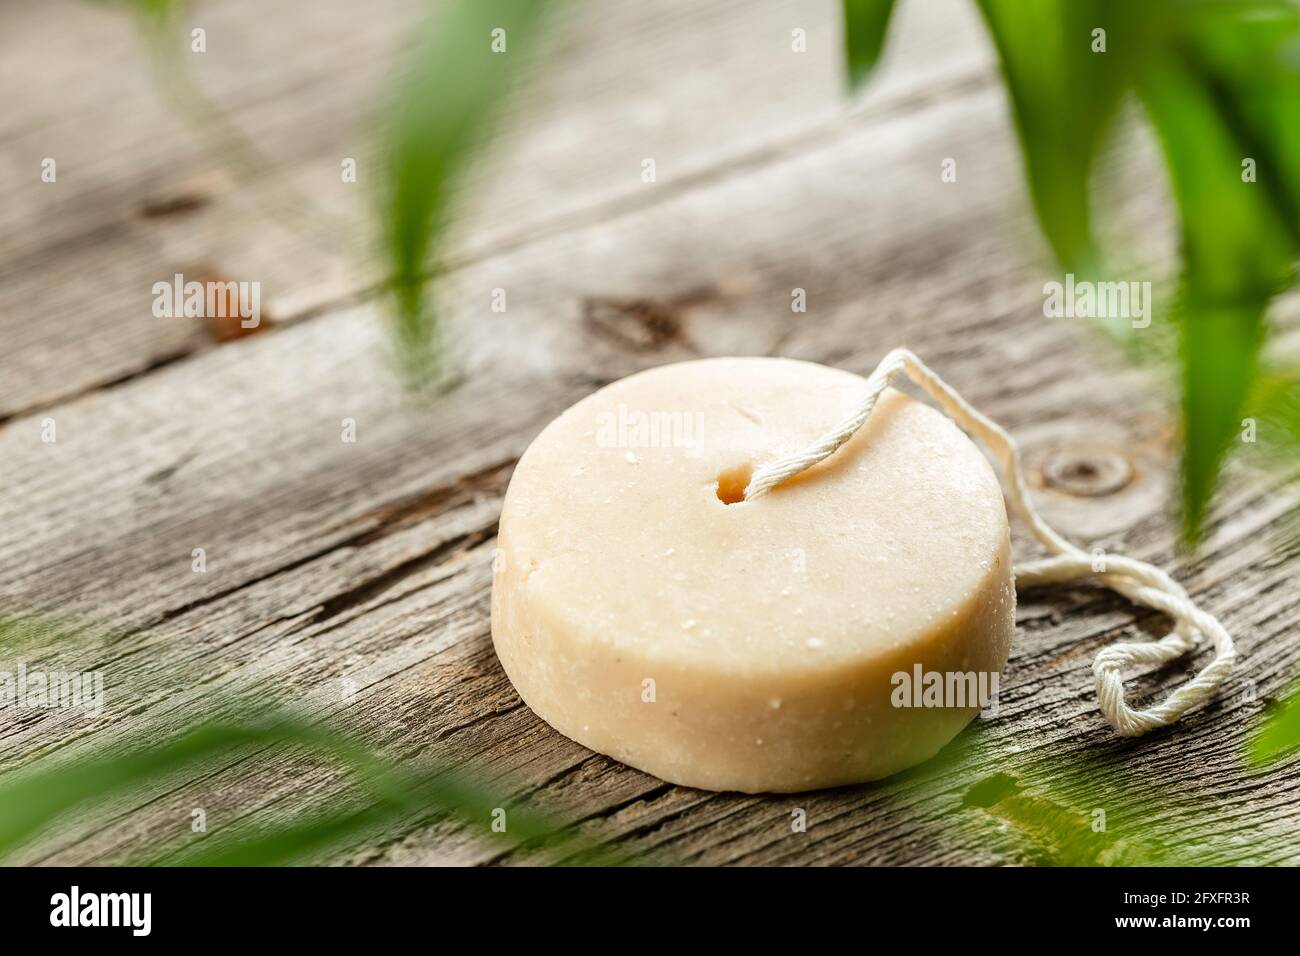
643, 609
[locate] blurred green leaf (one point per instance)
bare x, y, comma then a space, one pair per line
158, 11
1062, 96
1280, 735
25, 633
1045, 806
31, 801
167, 45
237, 726
865, 23
441, 794
286, 843
1275, 404
1219, 82
396, 793
463, 59
1238, 237
449, 94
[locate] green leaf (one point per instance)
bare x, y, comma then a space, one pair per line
1237, 246
25, 633
1221, 84
159, 11
1062, 95
1275, 404
286, 843
165, 37
31, 801
404, 795
1220, 346
865, 23
449, 93
1280, 735
1249, 57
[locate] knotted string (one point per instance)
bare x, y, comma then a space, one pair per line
1138, 581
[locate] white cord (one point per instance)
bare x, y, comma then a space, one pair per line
1138, 581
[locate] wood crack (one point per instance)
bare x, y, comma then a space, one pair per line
382, 583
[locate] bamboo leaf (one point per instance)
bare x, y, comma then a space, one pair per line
865, 25
32, 801
1063, 93
1237, 247
1275, 404
29, 802
441, 794
449, 93
1220, 84
1280, 735
159, 11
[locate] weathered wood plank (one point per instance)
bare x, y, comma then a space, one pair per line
140, 196
370, 562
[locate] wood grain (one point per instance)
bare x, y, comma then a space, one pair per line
353, 578
141, 195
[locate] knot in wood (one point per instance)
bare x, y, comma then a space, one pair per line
1087, 472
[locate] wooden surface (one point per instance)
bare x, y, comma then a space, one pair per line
368, 564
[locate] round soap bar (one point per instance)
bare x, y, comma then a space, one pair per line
778, 644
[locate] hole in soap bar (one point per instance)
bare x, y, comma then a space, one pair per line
732, 484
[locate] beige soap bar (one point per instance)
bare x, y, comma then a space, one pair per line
754, 645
